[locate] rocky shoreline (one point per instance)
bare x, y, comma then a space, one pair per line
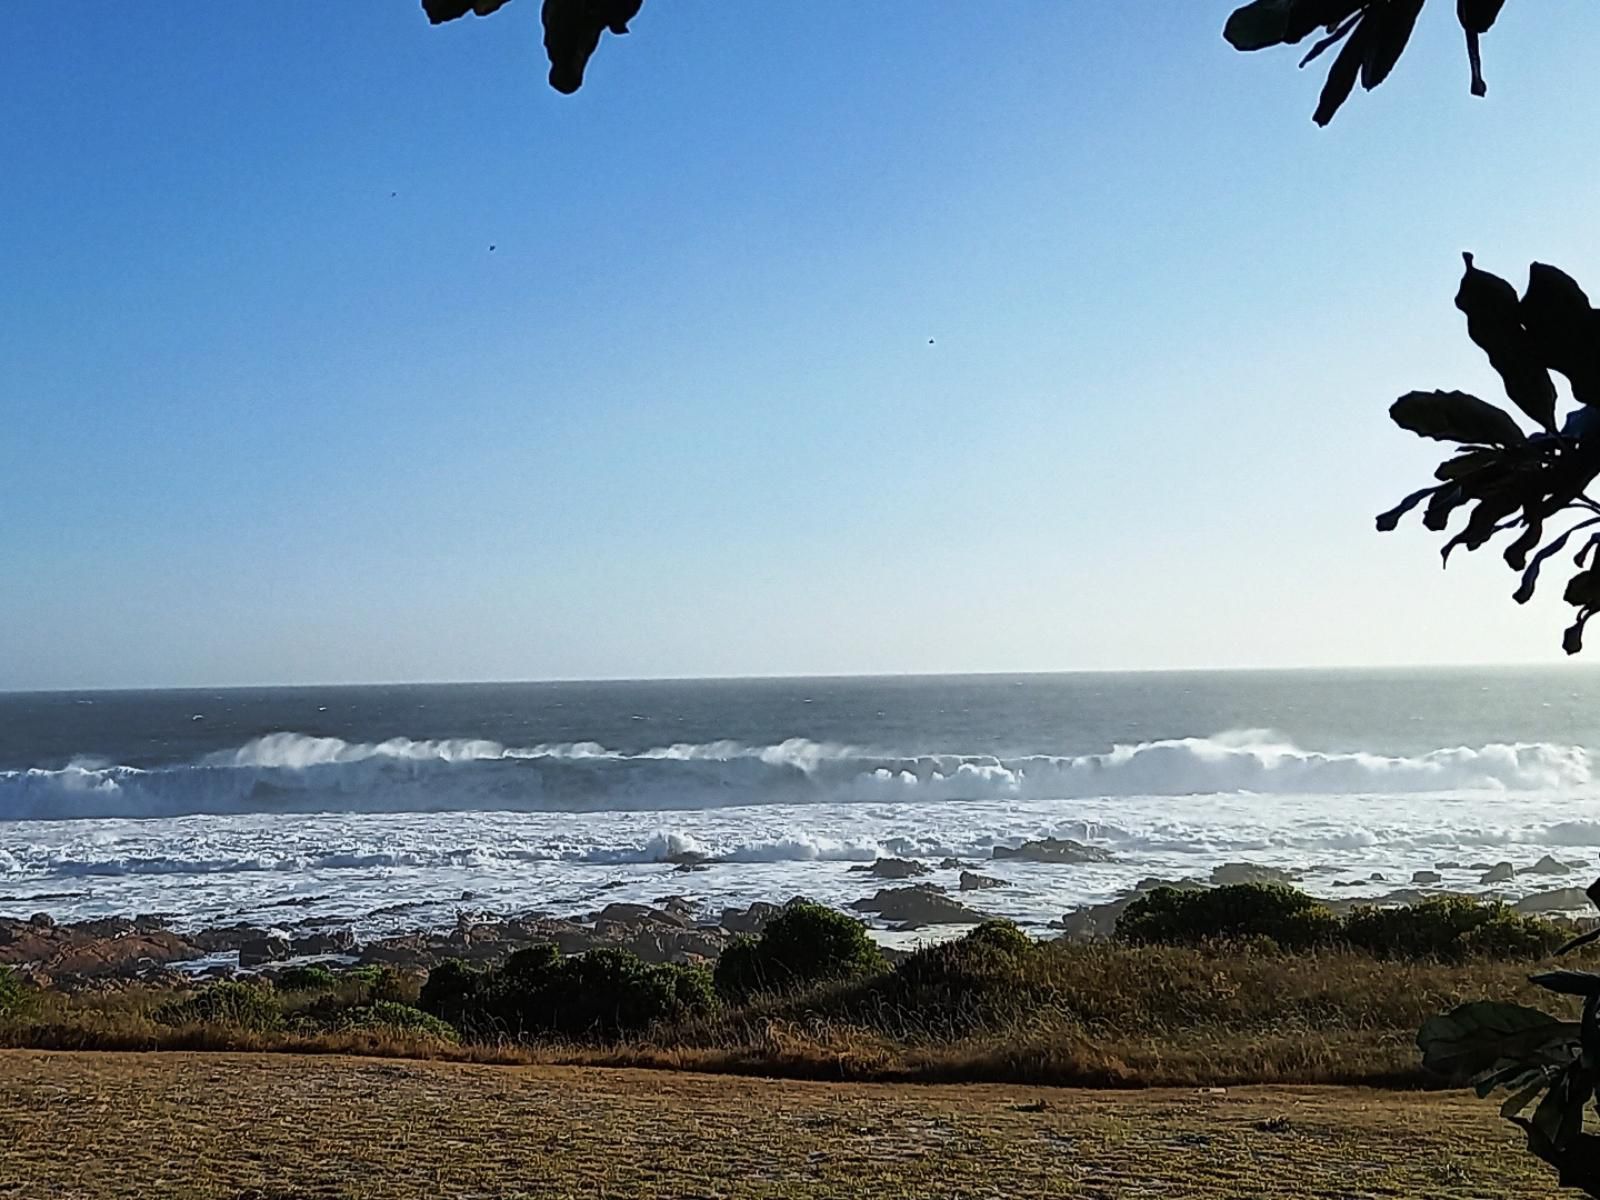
109, 951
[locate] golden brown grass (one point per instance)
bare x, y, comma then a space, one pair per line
1096, 1015
276, 1127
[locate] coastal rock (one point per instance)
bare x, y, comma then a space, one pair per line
318, 945
918, 905
1502, 872
1053, 850
952, 864
1426, 878
895, 868
114, 946
259, 951
748, 920
1549, 866
1447, 865
1233, 873
1097, 922
1560, 900
971, 881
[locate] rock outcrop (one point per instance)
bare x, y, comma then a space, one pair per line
918, 905
1053, 850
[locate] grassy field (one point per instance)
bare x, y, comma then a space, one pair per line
285, 1127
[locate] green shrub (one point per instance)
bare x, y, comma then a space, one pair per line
603, 994
1450, 929
313, 977
803, 944
15, 996
400, 1018
1289, 918
389, 986
242, 1005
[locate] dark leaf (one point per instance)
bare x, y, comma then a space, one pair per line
1393, 24
1572, 638
1516, 554
1388, 521
1494, 322
1455, 417
1559, 1117
1530, 577
572, 30
1568, 983
1469, 462
1343, 74
1583, 589
1260, 24
1478, 16
1445, 501
1563, 329
1583, 939
440, 11
1486, 1035
1520, 1100
1336, 35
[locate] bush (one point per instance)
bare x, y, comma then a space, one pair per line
242, 1005
389, 986
603, 994
1450, 929
803, 944
400, 1018
15, 996
309, 978
1289, 918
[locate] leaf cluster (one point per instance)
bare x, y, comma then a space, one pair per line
1532, 483
1370, 35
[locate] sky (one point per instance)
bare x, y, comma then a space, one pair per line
1045, 335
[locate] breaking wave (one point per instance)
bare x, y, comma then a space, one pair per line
290, 772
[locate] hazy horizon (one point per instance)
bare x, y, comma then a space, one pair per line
342, 348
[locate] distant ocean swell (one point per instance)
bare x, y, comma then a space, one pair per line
289, 772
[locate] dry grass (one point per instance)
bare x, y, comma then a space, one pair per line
1096, 1016
242, 1127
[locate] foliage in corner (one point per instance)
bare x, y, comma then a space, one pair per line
572, 29
1545, 1063
1530, 484
1371, 36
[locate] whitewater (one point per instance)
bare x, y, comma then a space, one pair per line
250, 806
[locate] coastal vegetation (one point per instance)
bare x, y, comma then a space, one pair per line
1281, 990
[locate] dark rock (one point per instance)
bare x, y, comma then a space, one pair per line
895, 868
259, 951
1560, 900
918, 905
1053, 850
1375, 877
973, 882
952, 864
1447, 865
748, 920
1549, 866
1502, 872
42, 921
1232, 873
1097, 922
1426, 878
316, 945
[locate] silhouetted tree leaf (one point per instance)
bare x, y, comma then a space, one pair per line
1563, 329
1392, 23
572, 30
1494, 322
1343, 74
440, 11
1388, 521
1455, 417
1568, 983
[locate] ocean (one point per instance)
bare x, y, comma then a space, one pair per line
393, 807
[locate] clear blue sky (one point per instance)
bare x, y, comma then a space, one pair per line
272, 411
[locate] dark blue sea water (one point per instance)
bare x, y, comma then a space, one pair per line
222, 803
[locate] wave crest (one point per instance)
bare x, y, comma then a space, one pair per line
292, 772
